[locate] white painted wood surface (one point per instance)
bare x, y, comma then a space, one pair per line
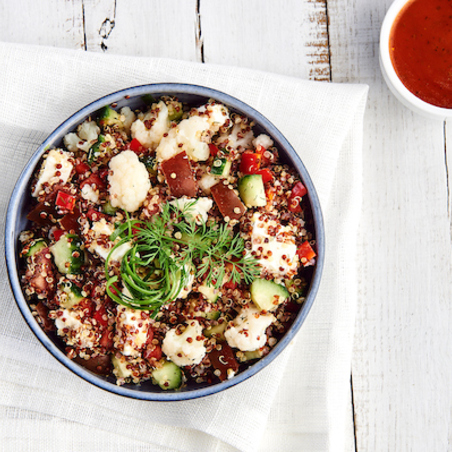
402, 368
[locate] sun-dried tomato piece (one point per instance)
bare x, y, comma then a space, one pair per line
179, 176
223, 360
42, 214
100, 365
40, 274
227, 201
69, 221
43, 312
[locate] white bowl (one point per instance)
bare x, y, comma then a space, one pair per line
402, 93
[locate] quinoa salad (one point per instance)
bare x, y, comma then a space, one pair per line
167, 244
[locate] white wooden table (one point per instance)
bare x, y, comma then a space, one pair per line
401, 377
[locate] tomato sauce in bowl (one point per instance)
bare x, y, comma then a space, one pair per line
420, 47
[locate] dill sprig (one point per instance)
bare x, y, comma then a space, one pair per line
167, 252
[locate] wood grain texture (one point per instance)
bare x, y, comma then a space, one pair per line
402, 358
401, 366
142, 28
285, 37
50, 22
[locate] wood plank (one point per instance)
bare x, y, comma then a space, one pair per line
448, 162
50, 23
285, 37
402, 366
142, 28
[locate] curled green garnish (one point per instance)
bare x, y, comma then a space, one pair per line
170, 250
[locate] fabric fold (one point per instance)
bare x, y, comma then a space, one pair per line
298, 401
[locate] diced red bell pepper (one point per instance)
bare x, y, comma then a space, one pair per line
306, 253
150, 335
103, 172
155, 353
87, 306
65, 201
136, 146
230, 285
57, 234
82, 168
266, 174
227, 201
261, 151
270, 193
213, 149
115, 290
223, 360
93, 179
250, 163
95, 215
298, 191
101, 316
179, 176
294, 205
136, 227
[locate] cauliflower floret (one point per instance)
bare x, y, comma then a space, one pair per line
238, 136
88, 131
129, 368
216, 114
186, 349
193, 134
122, 367
129, 182
197, 211
127, 117
248, 332
207, 181
87, 134
74, 143
277, 249
150, 138
263, 140
56, 157
71, 325
100, 243
90, 194
132, 327
187, 137
168, 146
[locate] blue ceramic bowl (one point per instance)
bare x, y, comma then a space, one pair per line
16, 222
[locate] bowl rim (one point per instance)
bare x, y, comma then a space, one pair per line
67, 126
392, 79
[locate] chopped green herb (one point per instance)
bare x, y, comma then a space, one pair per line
161, 261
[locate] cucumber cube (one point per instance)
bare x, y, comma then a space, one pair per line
169, 376
252, 191
267, 295
221, 167
68, 254
35, 246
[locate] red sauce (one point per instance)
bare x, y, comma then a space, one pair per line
420, 46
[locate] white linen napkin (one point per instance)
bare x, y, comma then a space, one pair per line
298, 403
